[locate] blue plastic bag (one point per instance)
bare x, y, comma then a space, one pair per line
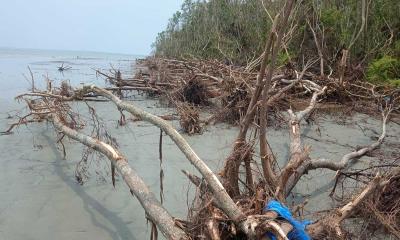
298, 232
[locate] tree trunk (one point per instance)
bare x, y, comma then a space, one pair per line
151, 205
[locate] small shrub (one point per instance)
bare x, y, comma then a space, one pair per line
384, 70
395, 82
283, 58
396, 49
330, 16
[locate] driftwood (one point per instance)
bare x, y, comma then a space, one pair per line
155, 211
152, 207
337, 165
46, 106
226, 209
333, 222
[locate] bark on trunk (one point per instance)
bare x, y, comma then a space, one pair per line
220, 194
156, 212
298, 153
336, 165
272, 47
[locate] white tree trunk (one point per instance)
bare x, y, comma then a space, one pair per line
151, 205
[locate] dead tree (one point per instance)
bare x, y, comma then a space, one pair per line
155, 211
259, 99
54, 108
222, 198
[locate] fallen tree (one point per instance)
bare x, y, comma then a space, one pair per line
155, 211
54, 108
231, 204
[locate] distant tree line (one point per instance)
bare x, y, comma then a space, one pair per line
234, 31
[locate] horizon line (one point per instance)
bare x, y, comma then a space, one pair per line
70, 50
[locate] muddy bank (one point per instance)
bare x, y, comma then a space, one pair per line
43, 198
40, 193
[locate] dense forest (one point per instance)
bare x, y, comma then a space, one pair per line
234, 31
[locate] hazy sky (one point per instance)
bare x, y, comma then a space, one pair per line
121, 26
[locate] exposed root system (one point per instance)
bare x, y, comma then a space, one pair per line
383, 209
194, 92
189, 118
231, 205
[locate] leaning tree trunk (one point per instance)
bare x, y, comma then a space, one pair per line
232, 164
149, 202
223, 200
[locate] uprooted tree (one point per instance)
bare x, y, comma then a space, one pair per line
54, 108
222, 197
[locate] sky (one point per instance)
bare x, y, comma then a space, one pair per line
115, 26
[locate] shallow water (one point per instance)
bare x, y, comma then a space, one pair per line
40, 198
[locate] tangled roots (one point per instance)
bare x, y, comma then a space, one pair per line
189, 118
195, 92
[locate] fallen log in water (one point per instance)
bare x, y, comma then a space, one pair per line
228, 206
250, 221
155, 211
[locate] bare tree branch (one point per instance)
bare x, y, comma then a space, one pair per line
222, 197
343, 163
152, 206
298, 154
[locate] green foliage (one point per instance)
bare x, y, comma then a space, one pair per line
396, 49
235, 30
384, 70
283, 58
395, 83
333, 21
329, 17
231, 30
